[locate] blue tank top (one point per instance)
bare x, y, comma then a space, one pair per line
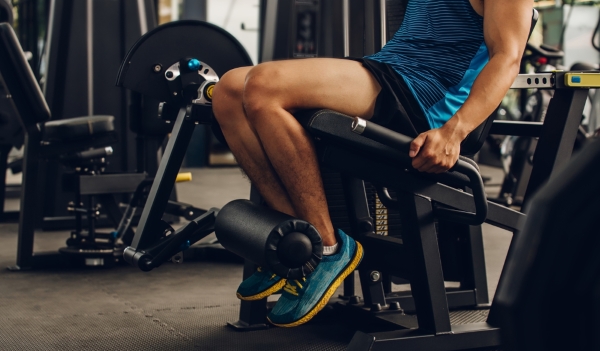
439, 51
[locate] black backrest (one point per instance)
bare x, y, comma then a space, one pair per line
6, 11
548, 297
20, 81
476, 138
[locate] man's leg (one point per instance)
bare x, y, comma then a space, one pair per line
243, 141
275, 89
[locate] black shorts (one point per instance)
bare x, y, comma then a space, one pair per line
396, 108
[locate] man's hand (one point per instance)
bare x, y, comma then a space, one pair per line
437, 150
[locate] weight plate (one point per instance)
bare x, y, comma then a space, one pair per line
143, 69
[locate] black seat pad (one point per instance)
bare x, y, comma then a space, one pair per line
78, 128
330, 127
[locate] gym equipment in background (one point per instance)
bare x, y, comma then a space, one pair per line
69, 139
93, 37
517, 151
11, 133
555, 258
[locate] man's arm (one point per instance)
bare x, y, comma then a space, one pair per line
506, 26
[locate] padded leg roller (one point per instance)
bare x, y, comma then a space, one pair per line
290, 247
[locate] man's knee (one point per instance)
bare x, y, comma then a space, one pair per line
228, 94
263, 89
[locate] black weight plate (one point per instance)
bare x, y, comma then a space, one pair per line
171, 42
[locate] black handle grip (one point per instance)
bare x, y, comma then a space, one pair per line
402, 143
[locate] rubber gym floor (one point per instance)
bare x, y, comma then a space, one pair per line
174, 307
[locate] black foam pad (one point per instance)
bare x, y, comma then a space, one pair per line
290, 247
78, 128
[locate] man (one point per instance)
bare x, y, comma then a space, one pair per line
444, 72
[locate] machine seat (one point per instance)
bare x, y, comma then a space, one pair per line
73, 129
330, 127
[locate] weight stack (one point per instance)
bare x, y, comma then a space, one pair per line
387, 221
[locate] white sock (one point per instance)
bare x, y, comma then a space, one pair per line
330, 250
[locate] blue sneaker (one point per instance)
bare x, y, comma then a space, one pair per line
302, 299
260, 285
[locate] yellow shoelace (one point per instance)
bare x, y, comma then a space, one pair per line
292, 288
259, 269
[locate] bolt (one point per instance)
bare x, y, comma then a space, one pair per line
169, 74
175, 93
375, 276
157, 68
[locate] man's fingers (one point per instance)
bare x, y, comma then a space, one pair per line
416, 144
418, 162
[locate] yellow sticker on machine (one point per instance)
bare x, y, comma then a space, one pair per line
583, 80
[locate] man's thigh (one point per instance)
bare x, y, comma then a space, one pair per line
337, 84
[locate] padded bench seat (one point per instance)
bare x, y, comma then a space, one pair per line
79, 128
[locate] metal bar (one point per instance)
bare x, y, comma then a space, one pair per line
349, 286
346, 16
359, 216
164, 181
90, 55
462, 337
49, 35
427, 279
535, 80
29, 201
4, 150
372, 288
141, 5
477, 277
357, 205
517, 128
383, 21
456, 299
110, 183
270, 31
252, 313
558, 136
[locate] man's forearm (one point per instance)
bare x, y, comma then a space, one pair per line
486, 94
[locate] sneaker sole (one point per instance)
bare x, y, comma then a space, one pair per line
358, 254
270, 291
